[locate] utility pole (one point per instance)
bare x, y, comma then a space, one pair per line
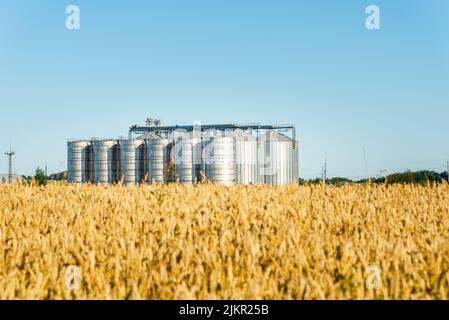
10, 154
324, 171
366, 163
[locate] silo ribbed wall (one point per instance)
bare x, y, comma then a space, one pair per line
105, 160
132, 161
220, 158
246, 159
182, 155
79, 161
278, 156
160, 165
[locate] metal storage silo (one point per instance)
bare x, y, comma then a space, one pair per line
182, 155
196, 140
220, 158
132, 161
246, 158
277, 159
88, 163
160, 165
79, 161
106, 159
295, 160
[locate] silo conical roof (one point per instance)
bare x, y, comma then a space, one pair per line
242, 135
274, 136
148, 136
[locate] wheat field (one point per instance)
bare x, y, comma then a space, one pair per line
211, 242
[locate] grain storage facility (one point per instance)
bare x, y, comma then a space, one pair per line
222, 154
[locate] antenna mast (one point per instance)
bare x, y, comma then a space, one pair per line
325, 170
10, 154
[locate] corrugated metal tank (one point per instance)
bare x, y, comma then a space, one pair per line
79, 161
247, 169
132, 161
295, 161
197, 155
220, 159
278, 159
88, 163
182, 155
106, 158
160, 165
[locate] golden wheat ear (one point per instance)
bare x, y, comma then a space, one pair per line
203, 177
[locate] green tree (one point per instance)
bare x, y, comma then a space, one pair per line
339, 181
40, 177
3, 180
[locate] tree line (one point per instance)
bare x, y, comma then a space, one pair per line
409, 177
417, 177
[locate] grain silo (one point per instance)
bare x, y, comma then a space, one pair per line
295, 163
196, 139
220, 159
79, 161
88, 163
160, 165
247, 169
132, 161
182, 155
105, 161
277, 156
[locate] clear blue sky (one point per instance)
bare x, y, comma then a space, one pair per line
311, 63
